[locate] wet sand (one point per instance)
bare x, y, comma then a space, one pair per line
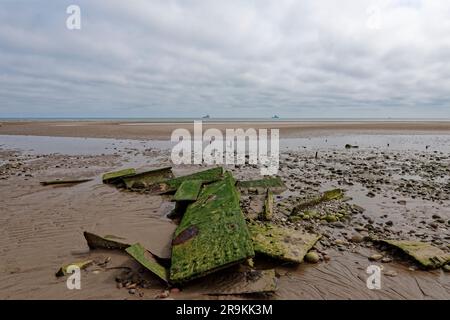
41, 227
162, 131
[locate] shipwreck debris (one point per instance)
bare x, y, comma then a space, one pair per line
59, 182
148, 260
329, 195
188, 190
218, 236
274, 184
116, 176
425, 254
281, 243
171, 185
107, 242
268, 206
142, 180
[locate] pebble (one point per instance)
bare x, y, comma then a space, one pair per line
390, 273
132, 291
386, 260
312, 257
376, 257
357, 238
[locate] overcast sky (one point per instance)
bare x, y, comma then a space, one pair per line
293, 58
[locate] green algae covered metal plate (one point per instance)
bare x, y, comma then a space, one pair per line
188, 190
281, 243
144, 179
212, 235
172, 185
425, 254
148, 260
274, 184
112, 177
64, 270
334, 194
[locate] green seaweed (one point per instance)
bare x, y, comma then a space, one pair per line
115, 176
274, 184
281, 243
212, 234
171, 185
425, 254
148, 260
188, 190
144, 179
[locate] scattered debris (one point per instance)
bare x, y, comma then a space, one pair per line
172, 185
329, 195
142, 180
57, 182
274, 184
148, 260
212, 234
188, 190
349, 146
64, 269
107, 242
113, 177
268, 206
281, 243
425, 254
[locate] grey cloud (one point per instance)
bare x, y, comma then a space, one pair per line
227, 59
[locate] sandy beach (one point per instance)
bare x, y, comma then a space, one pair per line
397, 184
152, 130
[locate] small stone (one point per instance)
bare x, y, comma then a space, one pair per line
312, 257
357, 238
389, 223
390, 273
132, 291
386, 260
446, 268
339, 241
371, 195
401, 202
376, 257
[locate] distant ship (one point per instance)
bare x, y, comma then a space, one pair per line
206, 117
275, 117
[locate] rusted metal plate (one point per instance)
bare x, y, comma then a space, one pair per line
115, 176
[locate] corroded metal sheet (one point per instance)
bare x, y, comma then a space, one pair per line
172, 185
212, 234
268, 206
107, 242
281, 243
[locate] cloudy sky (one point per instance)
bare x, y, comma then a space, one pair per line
187, 58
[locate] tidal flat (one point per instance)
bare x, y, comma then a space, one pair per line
396, 186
